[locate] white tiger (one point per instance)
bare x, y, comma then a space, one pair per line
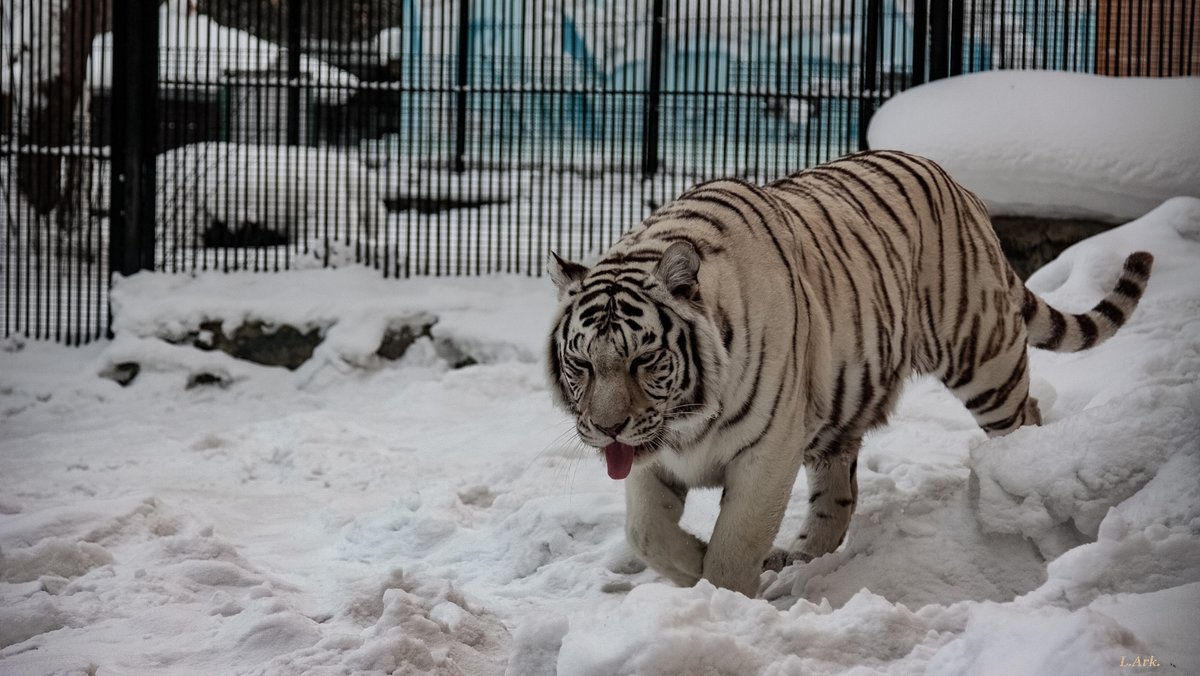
742, 331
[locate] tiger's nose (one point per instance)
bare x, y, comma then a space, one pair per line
611, 430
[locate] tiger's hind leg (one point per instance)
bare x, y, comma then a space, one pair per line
832, 497
996, 390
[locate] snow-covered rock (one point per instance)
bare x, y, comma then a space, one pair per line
1053, 144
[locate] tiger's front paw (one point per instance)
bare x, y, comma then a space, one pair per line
732, 572
779, 559
673, 553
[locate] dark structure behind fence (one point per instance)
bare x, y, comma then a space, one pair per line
449, 137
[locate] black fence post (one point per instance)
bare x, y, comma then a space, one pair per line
293, 72
956, 37
461, 81
920, 41
939, 40
134, 136
650, 115
869, 87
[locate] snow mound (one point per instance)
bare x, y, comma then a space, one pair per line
664, 630
52, 556
1053, 144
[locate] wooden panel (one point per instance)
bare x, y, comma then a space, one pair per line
1148, 38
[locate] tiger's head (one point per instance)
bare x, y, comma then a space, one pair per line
633, 354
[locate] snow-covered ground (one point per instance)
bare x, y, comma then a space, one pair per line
364, 516
1053, 144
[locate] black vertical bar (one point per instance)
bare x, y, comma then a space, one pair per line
977, 33
939, 43
1189, 40
460, 96
294, 8
1164, 35
956, 37
920, 40
870, 85
1129, 42
134, 94
1140, 44
1066, 39
1168, 33
650, 119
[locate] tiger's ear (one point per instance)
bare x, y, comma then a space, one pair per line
678, 269
567, 275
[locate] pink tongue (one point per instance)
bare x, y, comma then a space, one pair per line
620, 460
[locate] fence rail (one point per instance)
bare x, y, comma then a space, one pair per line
450, 137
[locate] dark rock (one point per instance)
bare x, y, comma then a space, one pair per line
13, 343
1029, 243
453, 354
122, 373
401, 335
259, 342
205, 379
284, 345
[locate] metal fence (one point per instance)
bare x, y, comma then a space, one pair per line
449, 137
54, 267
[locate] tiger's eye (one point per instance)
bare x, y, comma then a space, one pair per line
642, 360
579, 364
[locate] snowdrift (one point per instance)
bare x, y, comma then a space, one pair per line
1053, 144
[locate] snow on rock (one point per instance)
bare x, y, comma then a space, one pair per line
354, 308
1054, 144
360, 517
309, 194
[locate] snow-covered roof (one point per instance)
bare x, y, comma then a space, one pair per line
197, 52
1054, 144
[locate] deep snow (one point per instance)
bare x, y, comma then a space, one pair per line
363, 516
1054, 144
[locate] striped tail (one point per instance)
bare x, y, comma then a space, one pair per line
1050, 329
